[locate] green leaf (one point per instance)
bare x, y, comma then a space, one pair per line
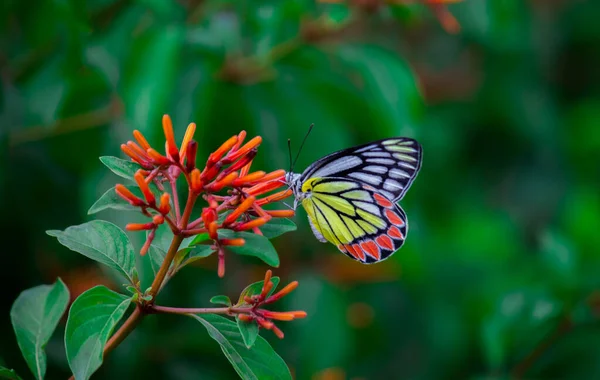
221, 300
101, 241
92, 318
277, 227
256, 245
200, 238
248, 330
122, 168
189, 255
157, 256
34, 316
9, 374
110, 199
256, 288
261, 362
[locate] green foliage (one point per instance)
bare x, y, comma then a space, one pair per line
100, 241
256, 245
123, 168
34, 316
221, 300
8, 374
261, 362
92, 318
277, 227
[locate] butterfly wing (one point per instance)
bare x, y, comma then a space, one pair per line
389, 165
363, 223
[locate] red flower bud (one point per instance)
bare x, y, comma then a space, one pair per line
192, 149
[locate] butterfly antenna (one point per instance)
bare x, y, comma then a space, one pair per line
301, 146
290, 153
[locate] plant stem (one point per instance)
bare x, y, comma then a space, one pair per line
202, 310
126, 328
184, 310
175, 199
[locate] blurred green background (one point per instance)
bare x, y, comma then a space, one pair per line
499, 274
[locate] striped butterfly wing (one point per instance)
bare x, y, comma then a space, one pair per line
388, 165
364, 224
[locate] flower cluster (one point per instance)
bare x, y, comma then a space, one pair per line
235, 197
264, 318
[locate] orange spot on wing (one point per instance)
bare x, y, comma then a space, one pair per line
371, 249
350, 250
385, 242
341, 248
395, 232
394, 218
382, 201
358, 250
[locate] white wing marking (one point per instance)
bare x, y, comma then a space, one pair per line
367, 178
381, 161
376, 169
341, 164
370, 207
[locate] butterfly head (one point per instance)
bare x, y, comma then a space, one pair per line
293, 181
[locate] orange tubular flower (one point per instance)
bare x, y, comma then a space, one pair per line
141, 139
251, 224
242, 208
249, 179
233, 242
171, 147
124, 193
250, 145
264, 318
187, 138
218, 185
139, 178
217, 154
224, 182
165, 205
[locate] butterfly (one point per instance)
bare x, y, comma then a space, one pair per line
350, 196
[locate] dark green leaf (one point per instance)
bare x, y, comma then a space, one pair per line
101, 241
34, 316
277, 227
256, 245
92, 318
256, 288
248, 330
8, 374
122, 168
260, 362
221, 300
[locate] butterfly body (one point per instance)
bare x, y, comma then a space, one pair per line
350, 197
